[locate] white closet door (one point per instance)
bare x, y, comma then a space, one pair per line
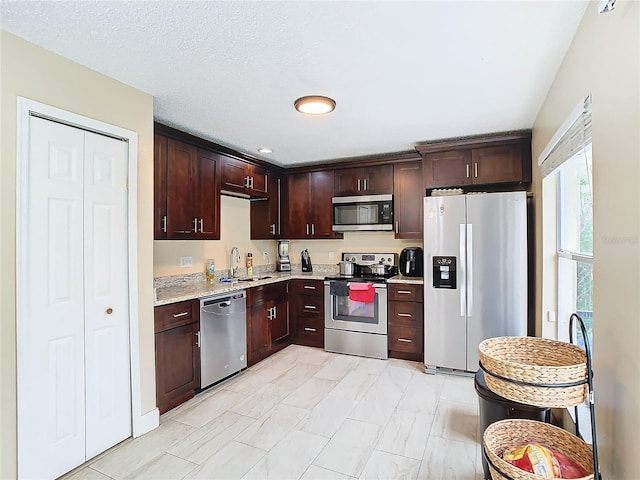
74, 398
51, 406
108, 383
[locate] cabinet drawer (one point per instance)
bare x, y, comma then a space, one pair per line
308, 287
406, 339
408, 314
409, 292
173, 315
310, 306
311, 332
264, 293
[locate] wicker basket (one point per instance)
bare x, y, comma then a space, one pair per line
535, 371
508, 433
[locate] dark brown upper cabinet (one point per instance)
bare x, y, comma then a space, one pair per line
308, 211
266, 213
407, 199
487, 160
374, 180
244, 178
186, 191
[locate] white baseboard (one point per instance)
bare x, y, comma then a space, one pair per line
145, 423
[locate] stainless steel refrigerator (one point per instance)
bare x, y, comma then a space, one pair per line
475, 275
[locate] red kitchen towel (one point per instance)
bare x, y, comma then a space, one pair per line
362, 292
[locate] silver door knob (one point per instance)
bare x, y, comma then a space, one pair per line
109, 311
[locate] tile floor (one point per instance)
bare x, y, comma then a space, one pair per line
308, 414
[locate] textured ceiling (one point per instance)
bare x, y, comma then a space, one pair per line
400, 72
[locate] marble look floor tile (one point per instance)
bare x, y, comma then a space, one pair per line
374, 366
272, 427
85, 473
230, 462
422, 393
448, 460
310, 393
406, 434
406, 364
257, 404
319, 473
208, 409
129, 457
296, 376
284, 359
456, 421
383, 466
327, 416
459, 389
315, 356
289, 458
199, 445
249, 381
349, 449
354, 385
379, 403
338, 367
165, 467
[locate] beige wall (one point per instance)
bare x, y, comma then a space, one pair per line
32, 72
234, 231
603, 61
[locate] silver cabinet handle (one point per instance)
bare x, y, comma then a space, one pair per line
246, 181
309, 287
202, 225
272, 229
181, 314
198, 338
405, 315
358, 184
467, 170
195, 225
308, 329
164, 224
396, 227
310, 307
313, 229
266, 184
365, 185
475, 169
404, 292
405, 340
307, 229
250, 182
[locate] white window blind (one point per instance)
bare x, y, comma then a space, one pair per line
569, 140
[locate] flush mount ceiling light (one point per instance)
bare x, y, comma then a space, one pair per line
315, 105
265, 150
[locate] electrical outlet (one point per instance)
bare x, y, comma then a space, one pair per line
265, 256
551, 316
186, 262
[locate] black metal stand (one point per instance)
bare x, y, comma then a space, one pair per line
594, 441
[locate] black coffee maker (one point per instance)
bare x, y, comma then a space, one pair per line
412, 262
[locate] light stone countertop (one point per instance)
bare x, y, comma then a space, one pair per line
405, 279
189, 291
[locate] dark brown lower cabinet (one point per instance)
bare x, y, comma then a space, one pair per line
177, 353
267, 321
307, 312
406, 321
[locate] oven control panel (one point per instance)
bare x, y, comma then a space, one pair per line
390, 259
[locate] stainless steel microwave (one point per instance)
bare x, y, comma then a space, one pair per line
363, 213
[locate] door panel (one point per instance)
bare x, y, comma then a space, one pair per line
444, 316
498, 260
182, 158
320, 204
208, 200
51, 361
107, 384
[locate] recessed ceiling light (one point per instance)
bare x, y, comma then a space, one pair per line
265, 150
315, 105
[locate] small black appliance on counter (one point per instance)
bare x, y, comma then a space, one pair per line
411, 262
306, 261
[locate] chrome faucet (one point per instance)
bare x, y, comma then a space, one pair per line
233, 271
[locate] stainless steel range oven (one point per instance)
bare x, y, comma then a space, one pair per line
353, 326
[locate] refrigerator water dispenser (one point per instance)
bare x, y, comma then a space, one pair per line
444, 272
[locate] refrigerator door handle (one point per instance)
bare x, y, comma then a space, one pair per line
462, 275
469, 268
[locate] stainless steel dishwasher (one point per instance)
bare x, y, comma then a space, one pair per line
223, 336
